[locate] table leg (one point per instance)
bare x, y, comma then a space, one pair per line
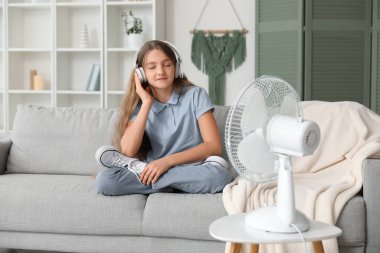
318, 247
254, 248
235, 247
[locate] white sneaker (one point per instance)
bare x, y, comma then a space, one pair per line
217, 160
136, 167
110, 157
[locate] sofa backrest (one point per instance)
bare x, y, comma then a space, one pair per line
58, 140
64, 140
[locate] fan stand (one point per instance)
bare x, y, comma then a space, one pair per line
282, 217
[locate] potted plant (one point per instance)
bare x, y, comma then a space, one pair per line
133, 29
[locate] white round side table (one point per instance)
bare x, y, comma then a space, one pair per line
233, 229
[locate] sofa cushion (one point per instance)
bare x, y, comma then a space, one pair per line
352, 221
66, 204
5, 145
182, 215
58, 140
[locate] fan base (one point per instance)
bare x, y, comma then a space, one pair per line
266, 219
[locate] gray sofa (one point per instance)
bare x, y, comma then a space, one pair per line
48, 199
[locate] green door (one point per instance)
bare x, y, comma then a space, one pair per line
375, 74
279, 40
337, 50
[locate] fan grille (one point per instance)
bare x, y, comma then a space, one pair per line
257, 103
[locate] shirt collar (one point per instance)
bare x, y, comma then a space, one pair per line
173, 100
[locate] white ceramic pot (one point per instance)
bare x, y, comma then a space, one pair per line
134, 41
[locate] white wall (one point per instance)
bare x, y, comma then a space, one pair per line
181, 17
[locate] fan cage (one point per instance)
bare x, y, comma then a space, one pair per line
274, 90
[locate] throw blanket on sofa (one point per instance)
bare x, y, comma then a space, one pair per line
326, 180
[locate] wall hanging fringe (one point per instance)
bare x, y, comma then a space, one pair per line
218, 55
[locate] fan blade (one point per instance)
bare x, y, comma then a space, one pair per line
254, 114
289, 106
254, 153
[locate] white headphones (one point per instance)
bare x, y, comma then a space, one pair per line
140, 71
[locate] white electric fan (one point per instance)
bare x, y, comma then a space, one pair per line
264, 128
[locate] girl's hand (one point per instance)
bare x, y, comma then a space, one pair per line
144, 94
154, 170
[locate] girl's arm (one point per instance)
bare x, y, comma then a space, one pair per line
211, 146
131, 140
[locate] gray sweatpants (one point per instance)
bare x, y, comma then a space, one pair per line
206, 177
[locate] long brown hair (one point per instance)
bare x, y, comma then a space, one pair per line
130, 98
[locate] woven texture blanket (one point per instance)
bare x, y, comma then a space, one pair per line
326, 180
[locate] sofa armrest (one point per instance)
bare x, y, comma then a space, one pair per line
371, 195
5, 145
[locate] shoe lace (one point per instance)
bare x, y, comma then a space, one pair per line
117, 162
134, 166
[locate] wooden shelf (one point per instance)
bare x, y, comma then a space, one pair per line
78, 92
78, 50
45, 36
30, 50
129, 3
30, 5
29, 92
78, 4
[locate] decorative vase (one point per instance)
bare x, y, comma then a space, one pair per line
38, 82
134, 40
84, 41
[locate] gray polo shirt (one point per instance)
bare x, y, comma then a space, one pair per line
173, 127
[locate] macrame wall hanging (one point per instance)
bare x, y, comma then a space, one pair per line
218, 55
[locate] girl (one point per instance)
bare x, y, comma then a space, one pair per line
166, 136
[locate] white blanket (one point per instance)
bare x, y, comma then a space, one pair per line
326, 180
